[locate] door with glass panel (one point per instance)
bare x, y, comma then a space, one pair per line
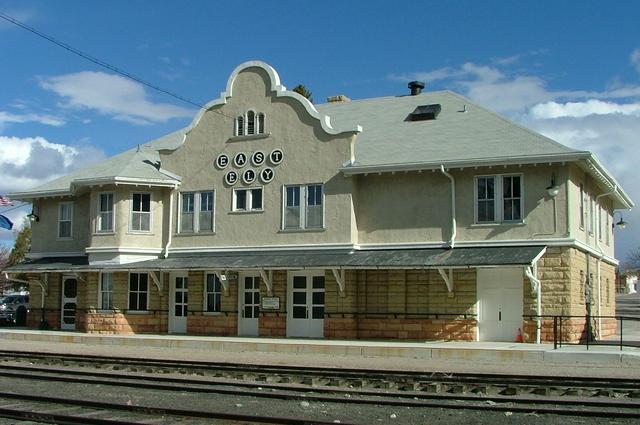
69, 303
178, 303
248, 304
305, 306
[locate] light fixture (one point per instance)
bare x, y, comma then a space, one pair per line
621, 224
33, 217
552, 189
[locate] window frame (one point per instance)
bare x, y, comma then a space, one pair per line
100, 212
498, 199
303, 207
101, 292
582, 208
131, 212
242, 123
197, 211
69, 220
147, 292
248, 200
206, 293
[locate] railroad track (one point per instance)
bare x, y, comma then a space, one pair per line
582, 397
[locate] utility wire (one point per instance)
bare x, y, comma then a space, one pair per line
102, 63
24, 204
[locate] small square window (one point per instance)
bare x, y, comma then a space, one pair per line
247, 199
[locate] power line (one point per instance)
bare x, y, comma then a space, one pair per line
24, 204
102, 63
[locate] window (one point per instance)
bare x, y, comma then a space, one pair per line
141, 212
581, 206
138, 291
212, 295
249, 124
592, 216
105, 213
65, 219
600, 222
196, 213
106, 291
498, 198
247, 199
607, 228
303, 207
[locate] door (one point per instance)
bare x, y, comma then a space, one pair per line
500, 305
69, 303
305, 312
179, 300
248, 304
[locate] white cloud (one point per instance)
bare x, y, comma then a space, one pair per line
9, 118
550, 110
112, 95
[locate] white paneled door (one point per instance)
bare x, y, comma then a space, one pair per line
500, 305
305, 304
248, 304
178, 303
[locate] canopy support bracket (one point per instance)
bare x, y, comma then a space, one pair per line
339, 274
448, 278
267, 278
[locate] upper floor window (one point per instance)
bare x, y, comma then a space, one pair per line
498, 198
581, 206
303, 207
249, 199
600, 224
249, 124
65, 219
138, 291
213, 292
141, 212
607, 227
196, 212
592, 216
105, 213
106, 291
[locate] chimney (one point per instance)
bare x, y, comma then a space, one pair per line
416, 87
338, 98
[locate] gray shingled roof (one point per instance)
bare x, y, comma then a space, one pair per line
462, 131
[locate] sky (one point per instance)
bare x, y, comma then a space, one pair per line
569, 70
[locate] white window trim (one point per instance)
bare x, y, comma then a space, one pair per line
100, 306
608, 227
592, 216
70, 203
205, 296
196, 212
245, 124
146, 307
113, 213
304, 196
144, 232
249, 209
498, 205
582, 209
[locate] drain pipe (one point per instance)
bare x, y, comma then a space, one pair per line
530, 272
166, 248
453, 207
599, 262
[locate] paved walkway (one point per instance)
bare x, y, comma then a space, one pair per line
461, 357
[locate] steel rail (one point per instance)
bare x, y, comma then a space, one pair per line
575, 406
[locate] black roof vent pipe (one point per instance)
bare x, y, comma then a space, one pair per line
416, 87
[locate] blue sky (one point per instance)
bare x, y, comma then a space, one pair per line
569, 70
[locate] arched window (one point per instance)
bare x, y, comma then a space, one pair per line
240, 126
251, 123
260, 123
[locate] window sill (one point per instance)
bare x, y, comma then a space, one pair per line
110, 233
105, 311
310, 230
249, 137
70, 238
182, 234
240, 212
141, 312
212, 313
143, 233
501, 223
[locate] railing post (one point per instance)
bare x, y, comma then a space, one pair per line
588, 329
621, 333
561, 335
555, 332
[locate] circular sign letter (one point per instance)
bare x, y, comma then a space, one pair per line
231, 178
240, 159
257, 159
276, 156
266, 175
249, 176
222, 161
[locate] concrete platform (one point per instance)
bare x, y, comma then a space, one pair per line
460, 357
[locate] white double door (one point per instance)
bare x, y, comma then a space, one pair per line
500, 305
178, 303
248, 304
305, 301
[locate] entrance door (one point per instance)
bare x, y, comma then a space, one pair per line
69, 303
305, 312
500, 293
178, 302
248, 304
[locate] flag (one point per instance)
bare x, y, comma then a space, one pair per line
5, 223
5, 202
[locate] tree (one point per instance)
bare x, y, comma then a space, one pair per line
22, 244
302, 90
5, 284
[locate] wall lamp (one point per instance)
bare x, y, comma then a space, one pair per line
33, 217
553, 189
621, 224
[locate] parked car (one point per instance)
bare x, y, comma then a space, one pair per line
14, 309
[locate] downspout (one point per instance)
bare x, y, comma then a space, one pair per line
598, 236
531, 273
453, 207
166, 248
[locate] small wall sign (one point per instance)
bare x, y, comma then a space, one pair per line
270, 303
